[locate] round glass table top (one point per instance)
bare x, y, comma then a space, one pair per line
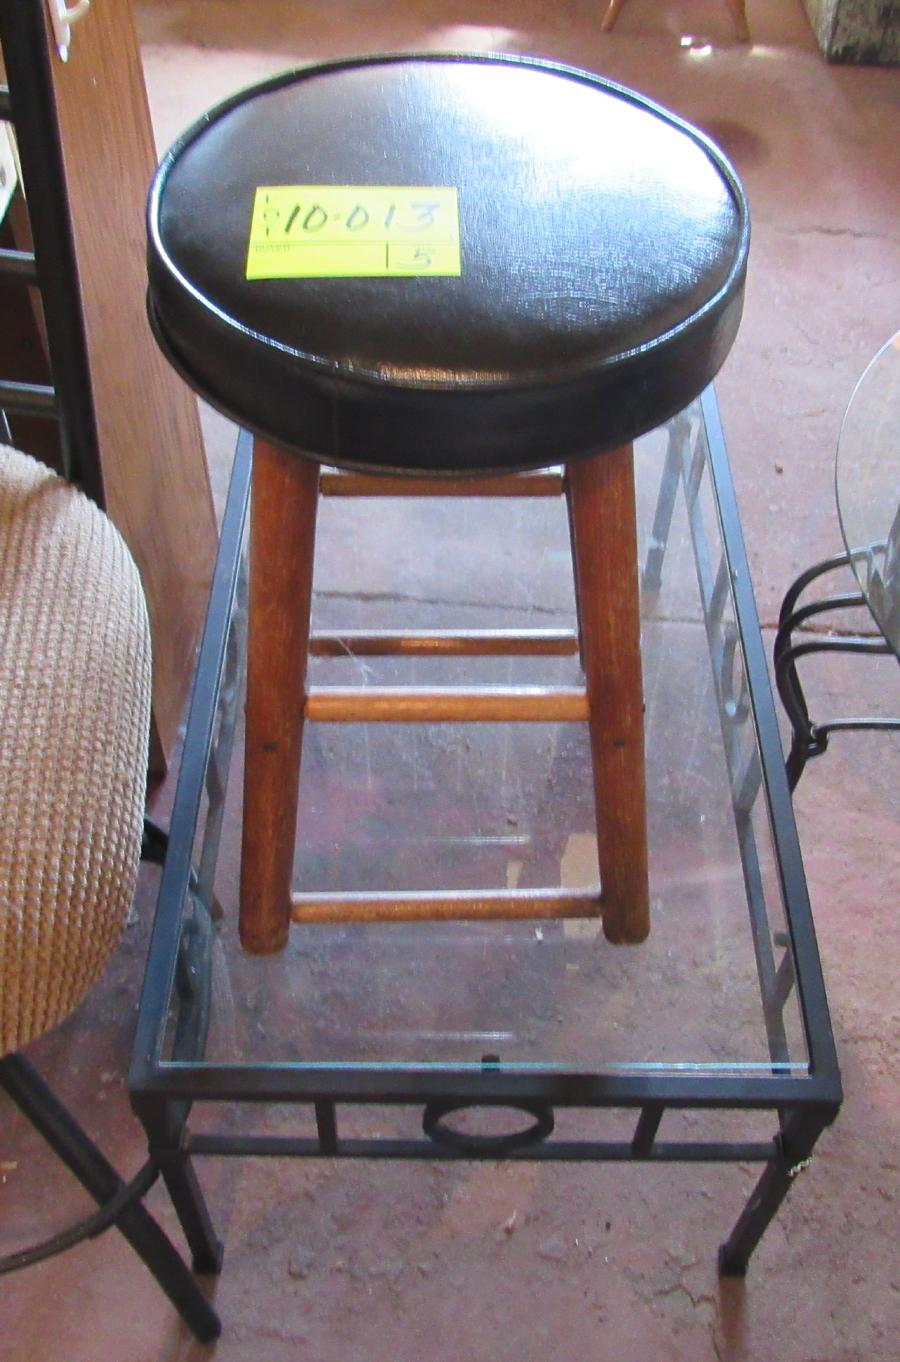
867, 483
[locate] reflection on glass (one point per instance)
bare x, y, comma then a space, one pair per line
503, 806
868, 487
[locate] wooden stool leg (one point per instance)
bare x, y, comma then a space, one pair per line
613, 10
739, 15
602, 510
282, 541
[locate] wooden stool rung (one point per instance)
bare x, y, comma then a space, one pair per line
440, 704
444, 643
449, 906
548, 482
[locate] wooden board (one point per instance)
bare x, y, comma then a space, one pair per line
154, 468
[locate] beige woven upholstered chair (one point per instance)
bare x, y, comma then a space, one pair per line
74, 722
74, 715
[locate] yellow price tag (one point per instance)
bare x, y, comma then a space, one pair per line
322, 231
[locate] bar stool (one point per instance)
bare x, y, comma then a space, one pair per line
452, 268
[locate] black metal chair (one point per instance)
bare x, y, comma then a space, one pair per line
74, 702
74, 723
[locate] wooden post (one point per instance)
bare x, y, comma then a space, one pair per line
613, 10
283, 505
602, 510
151, 451
739, 15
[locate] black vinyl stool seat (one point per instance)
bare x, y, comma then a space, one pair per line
445, 265
603, 250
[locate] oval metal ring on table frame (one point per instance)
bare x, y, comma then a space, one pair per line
458, 1140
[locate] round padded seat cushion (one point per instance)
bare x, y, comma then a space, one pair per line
603, 248
74, 724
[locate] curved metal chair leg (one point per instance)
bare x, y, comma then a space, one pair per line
120, 1203
809, 739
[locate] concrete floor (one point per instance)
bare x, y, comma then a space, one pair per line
516, 1261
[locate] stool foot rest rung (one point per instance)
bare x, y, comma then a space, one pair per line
444, 643
547, 482
448, 906
443, 704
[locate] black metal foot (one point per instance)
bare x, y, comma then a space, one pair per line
730, 1265
207, 1264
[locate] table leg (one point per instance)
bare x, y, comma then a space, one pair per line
798, 1138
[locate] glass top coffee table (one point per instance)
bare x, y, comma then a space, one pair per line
711, 1041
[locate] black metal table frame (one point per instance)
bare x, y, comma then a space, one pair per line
802, 1103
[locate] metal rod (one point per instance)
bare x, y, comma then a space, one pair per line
846, 601
444, 643
805, 579
202, 720
811, 985
18, 265
645, 1132
867, 725
91, 1227
27, 399
855, 644
219, 767
678, 432
809, 739
561, 1151
742, 1086
741, 758
447, 906
474, 704
32, 105
326, 1124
